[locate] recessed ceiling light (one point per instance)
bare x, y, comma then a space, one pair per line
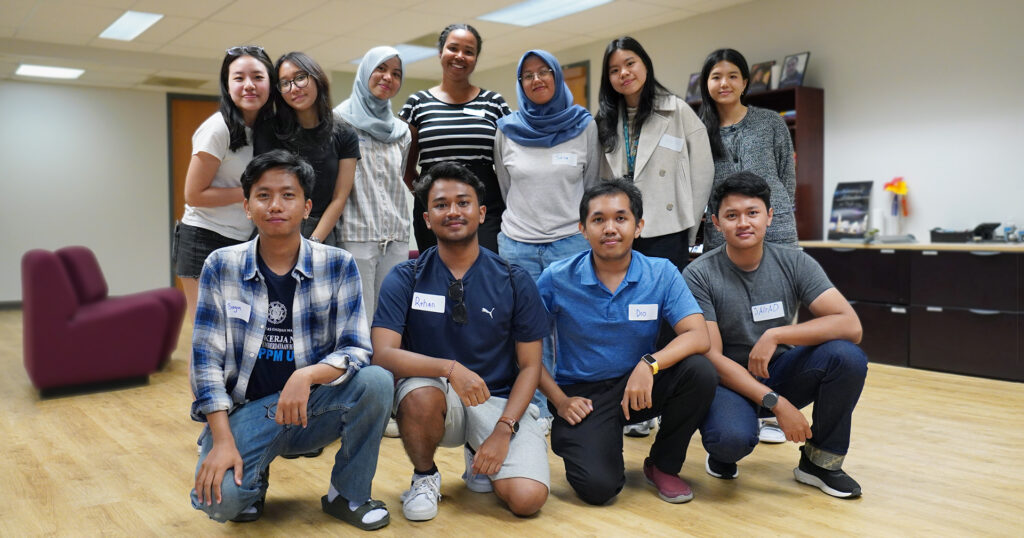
408, 53
533, 12
45, 71
130, 25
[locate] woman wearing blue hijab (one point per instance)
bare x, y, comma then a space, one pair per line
375, 227
545, 155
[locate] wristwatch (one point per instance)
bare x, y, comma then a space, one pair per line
512, 423
651, 361
770, 400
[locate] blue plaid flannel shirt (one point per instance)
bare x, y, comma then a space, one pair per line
231, 315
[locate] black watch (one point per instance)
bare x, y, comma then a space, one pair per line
512, 423
770, 400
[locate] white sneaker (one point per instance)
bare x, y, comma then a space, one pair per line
770, 432
477, 483
392, 429
419, 503
640, 429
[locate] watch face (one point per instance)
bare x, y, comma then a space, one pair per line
649, 359
770, 400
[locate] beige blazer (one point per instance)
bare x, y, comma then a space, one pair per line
674, 168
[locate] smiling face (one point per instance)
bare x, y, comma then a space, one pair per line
611, 227
248, 86
627, 74
458, 55
276, 204
300, 99
538, 80
726, 83
742, 220
453, 211
386, 79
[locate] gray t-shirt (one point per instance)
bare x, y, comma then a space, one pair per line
746, 304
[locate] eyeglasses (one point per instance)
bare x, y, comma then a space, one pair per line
457, 292
543, 73
300, 81
245, 49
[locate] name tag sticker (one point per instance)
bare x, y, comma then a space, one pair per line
671, 142
564, 159
428, 302
238, 309
764, 312
473, 112
643, 312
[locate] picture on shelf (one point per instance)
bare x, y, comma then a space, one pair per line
793, 69
693, 89
760, 77
850, 205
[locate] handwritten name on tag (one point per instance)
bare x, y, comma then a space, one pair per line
764, 312
238, 309
643, 312
671, 142
473, 112
428, 302
563, 159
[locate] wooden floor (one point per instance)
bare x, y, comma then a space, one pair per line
936, 455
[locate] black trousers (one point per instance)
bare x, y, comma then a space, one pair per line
592, 449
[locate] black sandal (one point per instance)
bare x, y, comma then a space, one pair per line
339, 509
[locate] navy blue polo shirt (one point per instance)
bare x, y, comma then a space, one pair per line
499, 314
602, 334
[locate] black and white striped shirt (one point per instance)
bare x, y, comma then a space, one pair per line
462, 132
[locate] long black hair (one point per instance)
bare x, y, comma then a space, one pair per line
609, 100
228, 110
288, 128
708, 107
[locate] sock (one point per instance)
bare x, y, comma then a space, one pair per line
331, 494
372, 516
420, 474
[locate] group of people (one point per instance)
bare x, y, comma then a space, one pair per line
551, 292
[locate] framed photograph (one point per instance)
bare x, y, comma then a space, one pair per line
793, 69
760, 77
693, 89
850, 204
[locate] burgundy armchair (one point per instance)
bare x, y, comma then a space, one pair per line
74, 334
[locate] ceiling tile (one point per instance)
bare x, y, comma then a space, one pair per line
616, 12
194, 52
280, 41
197, 9
462, 11
16, 11
68, 18
336, 53
327, 18
55, 36
124, 45
167, 29
399, 27
216, 37
269, 13
6, 31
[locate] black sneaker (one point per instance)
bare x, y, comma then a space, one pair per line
312, 454
835, 483
249, 516
717, 469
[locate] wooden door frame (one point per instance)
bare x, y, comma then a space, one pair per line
585, 64
171, 97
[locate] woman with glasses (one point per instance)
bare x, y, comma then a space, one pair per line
747, 138
653, 137
221, 149
456, 121
304, 124
545, 155
376, 224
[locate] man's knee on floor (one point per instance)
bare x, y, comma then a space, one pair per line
598, 490
234, 500
729, 446
524, 497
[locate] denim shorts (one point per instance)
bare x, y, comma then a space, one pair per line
192, 245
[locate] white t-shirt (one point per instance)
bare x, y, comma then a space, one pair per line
212, 137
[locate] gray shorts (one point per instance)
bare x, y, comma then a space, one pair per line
527, 453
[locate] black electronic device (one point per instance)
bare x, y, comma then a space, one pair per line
985, 231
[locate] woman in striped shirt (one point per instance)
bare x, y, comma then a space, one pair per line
456, 121
376, 224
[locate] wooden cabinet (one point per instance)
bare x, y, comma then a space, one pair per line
951, 308
807, 127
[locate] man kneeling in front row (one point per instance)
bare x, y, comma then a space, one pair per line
607, 304
750, 292
280, 358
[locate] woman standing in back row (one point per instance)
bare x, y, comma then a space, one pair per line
747, 138
650, 135
456, 121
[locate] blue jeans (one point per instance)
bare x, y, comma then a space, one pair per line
357, 411
831, 375
534, 258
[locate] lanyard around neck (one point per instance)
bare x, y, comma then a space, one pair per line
631, 145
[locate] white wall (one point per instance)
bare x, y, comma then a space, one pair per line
925, 89
85, 166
